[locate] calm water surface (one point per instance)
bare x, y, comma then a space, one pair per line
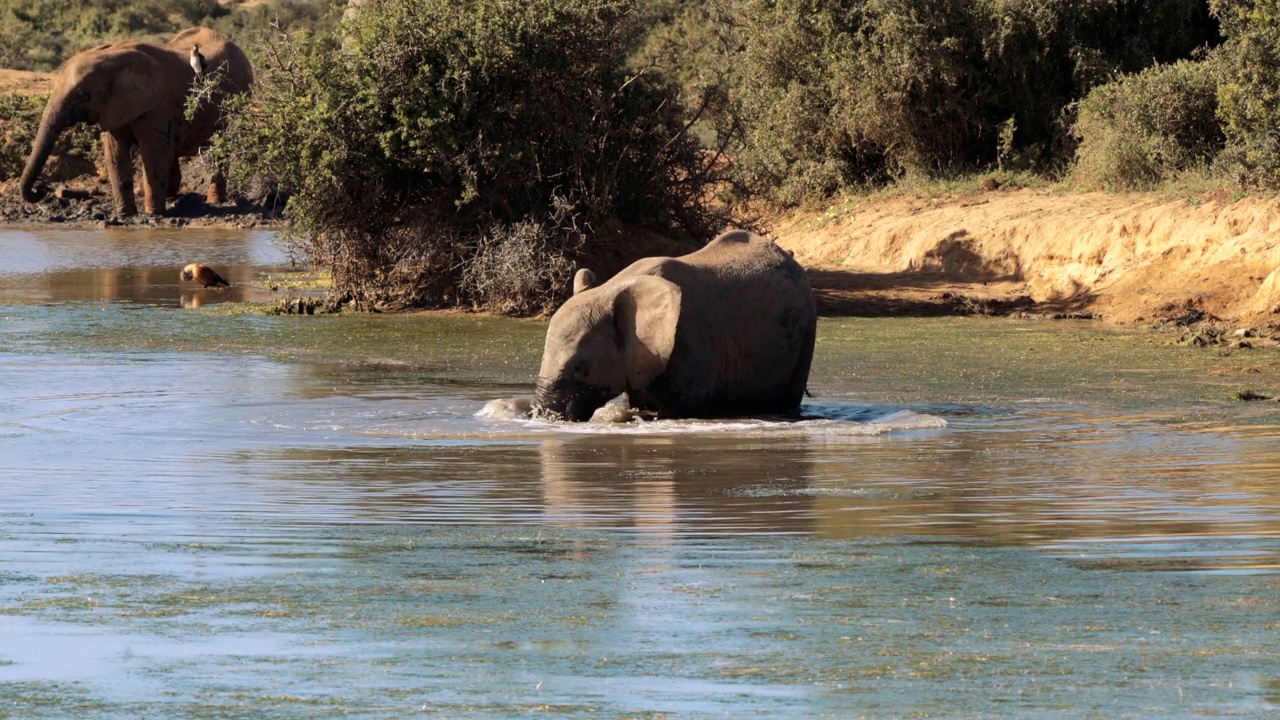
211, 514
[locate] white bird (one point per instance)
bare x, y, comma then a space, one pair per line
197, 61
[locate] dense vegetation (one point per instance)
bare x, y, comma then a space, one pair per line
471, 152
837, 95
446, 151
1250, 94
1147, 128
41, 34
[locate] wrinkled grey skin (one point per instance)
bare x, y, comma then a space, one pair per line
725, 331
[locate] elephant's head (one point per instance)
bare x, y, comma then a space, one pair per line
109, 85
605, 340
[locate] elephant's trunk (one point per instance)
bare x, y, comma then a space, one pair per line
51, 126
569, 400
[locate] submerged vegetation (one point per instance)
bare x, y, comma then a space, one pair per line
472, 153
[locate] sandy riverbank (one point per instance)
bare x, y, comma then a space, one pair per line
1122, 258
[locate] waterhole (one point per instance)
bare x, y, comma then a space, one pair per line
213, 514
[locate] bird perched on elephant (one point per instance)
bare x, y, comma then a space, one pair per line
198, 62
724, 331
136, 93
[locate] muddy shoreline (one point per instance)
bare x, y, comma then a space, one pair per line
88, 204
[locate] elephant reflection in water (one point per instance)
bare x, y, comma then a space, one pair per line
678, 483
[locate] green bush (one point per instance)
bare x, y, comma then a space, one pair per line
41, 34
1143, 129
1249, 102
420, 131
698, 43
1042, 56
835, 94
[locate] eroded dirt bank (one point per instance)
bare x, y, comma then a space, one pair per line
1122, 258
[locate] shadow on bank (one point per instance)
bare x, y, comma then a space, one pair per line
948, 279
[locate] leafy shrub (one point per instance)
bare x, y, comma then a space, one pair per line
1143, 129
839, 93
518, 267
798, 143
255, 20
1249, 101
698, 43
41, 34
1042, 56
422, 137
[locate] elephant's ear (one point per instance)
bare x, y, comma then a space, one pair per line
584, 279
138, 87
647, 311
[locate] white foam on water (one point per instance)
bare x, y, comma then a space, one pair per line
615, 419
506, 409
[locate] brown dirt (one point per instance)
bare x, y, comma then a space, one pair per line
86, 201
24, 82
1121, 258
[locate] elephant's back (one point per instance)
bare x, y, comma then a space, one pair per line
745, 254
741, 264
218, 51
747, 320
208, 39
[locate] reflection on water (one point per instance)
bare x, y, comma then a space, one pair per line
239, 516
133, 265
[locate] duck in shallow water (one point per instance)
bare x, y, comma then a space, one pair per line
204, 275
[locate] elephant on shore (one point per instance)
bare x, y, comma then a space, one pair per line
136, 93
724, 331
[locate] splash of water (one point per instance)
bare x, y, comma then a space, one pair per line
506, 409
818, 420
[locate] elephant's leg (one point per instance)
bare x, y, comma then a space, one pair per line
797, 383
175, 178
157, 160
217, 189
116, 147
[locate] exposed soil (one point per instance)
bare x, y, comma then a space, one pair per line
24, 82
87, 201
1134, 258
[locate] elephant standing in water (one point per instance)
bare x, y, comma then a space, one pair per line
725, 331
136, 93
